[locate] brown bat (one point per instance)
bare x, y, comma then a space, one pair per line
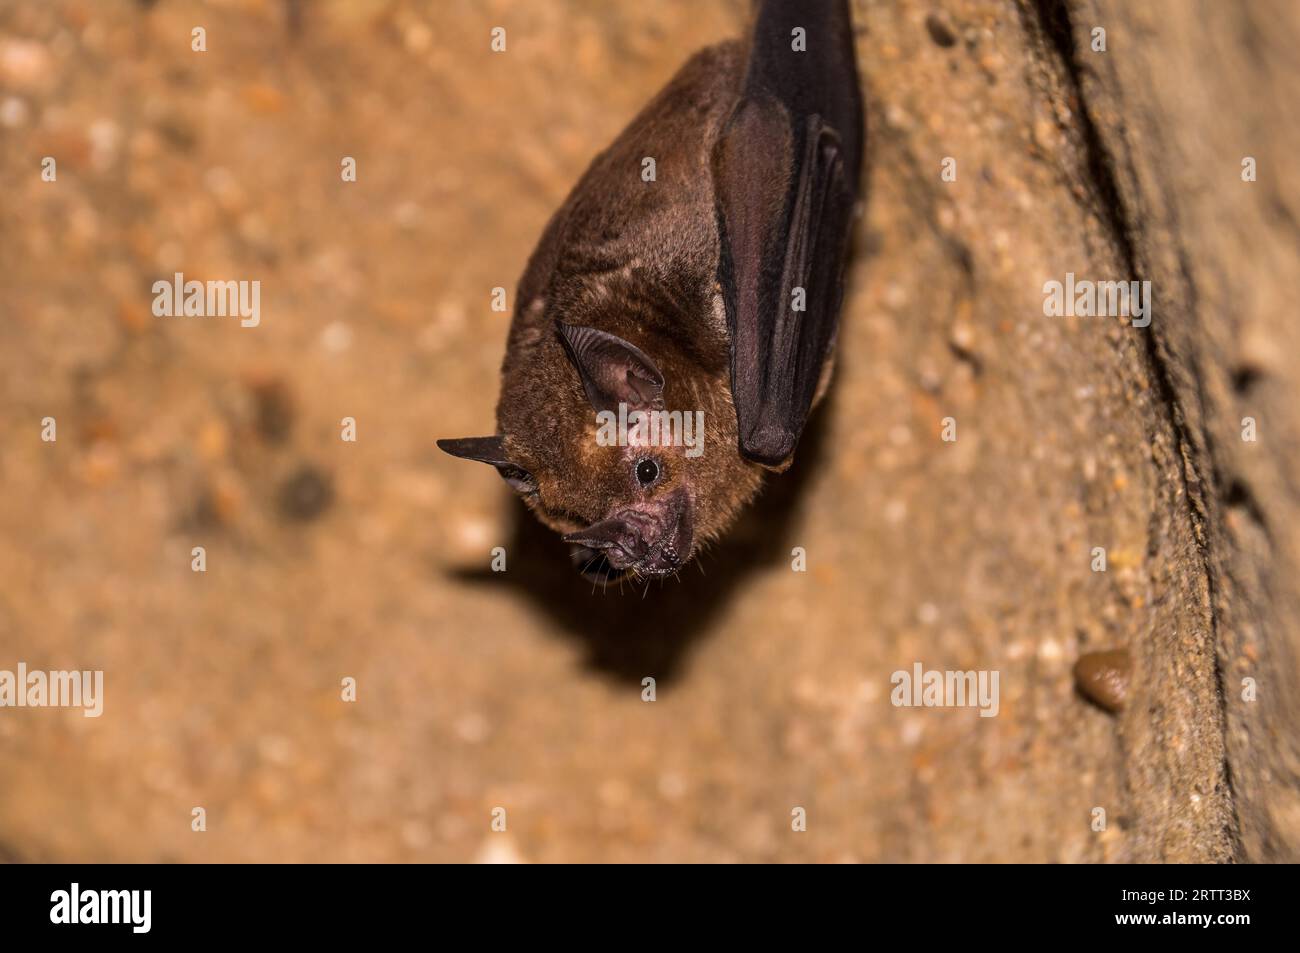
711, 286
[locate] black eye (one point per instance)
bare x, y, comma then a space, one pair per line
647, 471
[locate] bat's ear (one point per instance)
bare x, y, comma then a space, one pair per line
483, 449
612, 370
492, 451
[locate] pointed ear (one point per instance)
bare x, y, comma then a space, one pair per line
483, 449
492, 451
612, 370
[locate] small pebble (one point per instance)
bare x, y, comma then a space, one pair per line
1103, 678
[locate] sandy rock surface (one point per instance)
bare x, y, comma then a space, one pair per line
479, 690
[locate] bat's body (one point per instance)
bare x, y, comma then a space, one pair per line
705, 281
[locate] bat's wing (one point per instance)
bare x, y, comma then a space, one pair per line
785, 172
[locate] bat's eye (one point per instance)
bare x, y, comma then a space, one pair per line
647, 471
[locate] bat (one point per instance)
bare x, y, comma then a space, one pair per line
693, 275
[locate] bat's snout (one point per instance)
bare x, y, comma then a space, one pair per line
649, 542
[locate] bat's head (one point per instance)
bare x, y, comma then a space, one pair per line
635, 466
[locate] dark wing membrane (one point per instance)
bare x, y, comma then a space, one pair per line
785, 174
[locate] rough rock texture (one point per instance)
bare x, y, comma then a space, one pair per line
1199, 88
523, 689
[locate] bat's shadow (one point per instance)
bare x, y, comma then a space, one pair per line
648, 629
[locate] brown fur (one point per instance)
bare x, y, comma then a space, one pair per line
639, 260
712, 290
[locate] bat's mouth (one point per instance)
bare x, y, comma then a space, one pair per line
594, 566
648, 540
